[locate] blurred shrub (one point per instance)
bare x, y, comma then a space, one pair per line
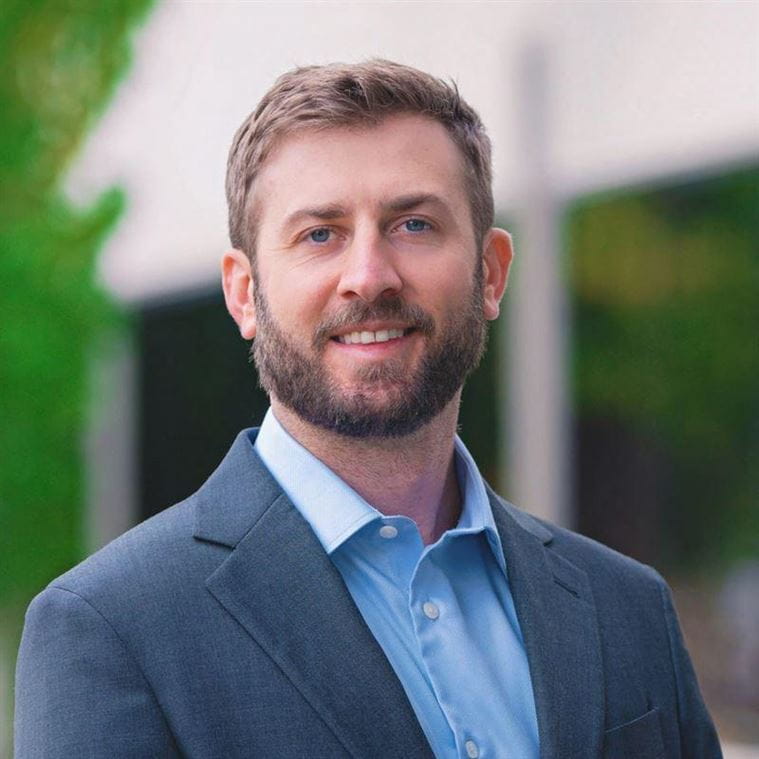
59, 64
666, 297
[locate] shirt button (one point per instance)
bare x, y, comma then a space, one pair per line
388, 531
430, 610
471, 750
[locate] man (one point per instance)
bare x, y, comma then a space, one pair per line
345, 584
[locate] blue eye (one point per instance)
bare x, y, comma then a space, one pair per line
319, 235
416, 225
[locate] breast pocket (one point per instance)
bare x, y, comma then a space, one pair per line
639, 739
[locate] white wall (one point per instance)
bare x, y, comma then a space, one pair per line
636, 89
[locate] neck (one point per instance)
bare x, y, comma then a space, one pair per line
412, 476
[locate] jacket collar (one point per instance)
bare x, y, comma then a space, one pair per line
557, 616
236, 495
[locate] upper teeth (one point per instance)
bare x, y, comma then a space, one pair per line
380, 336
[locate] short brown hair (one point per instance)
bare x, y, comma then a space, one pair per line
339, 95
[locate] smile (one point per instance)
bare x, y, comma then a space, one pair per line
366, 337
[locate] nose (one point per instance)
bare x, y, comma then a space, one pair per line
369, 269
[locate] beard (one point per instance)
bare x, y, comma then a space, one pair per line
386, 400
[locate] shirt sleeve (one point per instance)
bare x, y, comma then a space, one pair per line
79, 691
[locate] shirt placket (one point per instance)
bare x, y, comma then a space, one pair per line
433, 609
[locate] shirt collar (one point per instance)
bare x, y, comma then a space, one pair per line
476, 514
336, 512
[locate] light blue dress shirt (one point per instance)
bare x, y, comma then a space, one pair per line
443, 614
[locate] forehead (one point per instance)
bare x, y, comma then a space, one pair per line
357, 166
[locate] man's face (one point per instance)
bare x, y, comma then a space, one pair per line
368, 286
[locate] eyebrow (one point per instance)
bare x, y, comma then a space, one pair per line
396, 205
409, 202
324, 213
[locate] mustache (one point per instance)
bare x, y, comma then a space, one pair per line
392, 308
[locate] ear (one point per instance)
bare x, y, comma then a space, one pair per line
237, 281
496, 256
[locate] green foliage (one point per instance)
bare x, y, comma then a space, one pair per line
60, 62
666, 287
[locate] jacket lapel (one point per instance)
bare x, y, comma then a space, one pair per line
557, 616
281, 586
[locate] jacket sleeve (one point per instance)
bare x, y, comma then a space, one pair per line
79, 692
698, 738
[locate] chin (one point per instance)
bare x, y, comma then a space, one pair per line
373, 397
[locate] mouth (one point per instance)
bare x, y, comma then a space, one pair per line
367, 337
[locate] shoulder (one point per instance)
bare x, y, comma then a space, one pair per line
156, 561
609, 573
622, 587
155, 573
171, 554
595, 557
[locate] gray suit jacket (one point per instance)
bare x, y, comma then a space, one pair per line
220, 628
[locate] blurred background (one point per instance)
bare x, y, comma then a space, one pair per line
619, 395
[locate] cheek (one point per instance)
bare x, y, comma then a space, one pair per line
447, 285
295, 308
297, 290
